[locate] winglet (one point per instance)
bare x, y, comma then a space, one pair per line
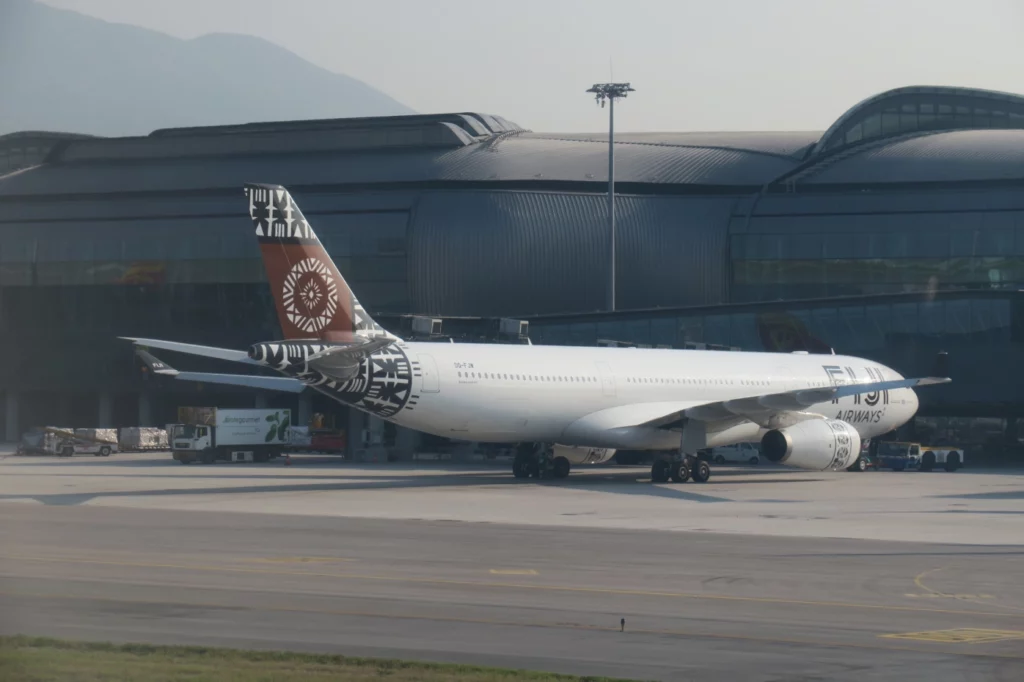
940, 368
155, 365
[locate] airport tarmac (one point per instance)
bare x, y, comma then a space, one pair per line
136, 548
964, 507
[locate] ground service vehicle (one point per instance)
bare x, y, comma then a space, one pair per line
142, 439
949, 458
67, 443
746, 453
208, 434
899, 456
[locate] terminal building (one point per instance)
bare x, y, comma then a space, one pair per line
897, 232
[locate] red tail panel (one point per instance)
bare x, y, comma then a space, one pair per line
312, 298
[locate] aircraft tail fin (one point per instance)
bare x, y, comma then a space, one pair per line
313, 300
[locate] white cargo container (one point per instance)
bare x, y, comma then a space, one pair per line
141, 438
208, 434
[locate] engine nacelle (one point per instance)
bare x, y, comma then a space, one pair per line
582, 455
816, 444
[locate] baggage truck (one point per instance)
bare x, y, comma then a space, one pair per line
210, 434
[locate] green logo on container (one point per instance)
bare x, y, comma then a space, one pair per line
278, 427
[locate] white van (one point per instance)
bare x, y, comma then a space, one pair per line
740, 453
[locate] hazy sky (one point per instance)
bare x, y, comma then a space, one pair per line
696, 65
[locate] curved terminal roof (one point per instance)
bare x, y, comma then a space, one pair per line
921, 109
951, 156
30, 147
404, 149
914, 134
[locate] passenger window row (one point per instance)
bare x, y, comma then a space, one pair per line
696, 382
499, 376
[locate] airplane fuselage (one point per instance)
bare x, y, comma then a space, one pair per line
557, 394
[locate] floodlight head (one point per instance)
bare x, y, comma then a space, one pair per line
606, 91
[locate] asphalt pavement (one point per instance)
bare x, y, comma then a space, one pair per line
696, 606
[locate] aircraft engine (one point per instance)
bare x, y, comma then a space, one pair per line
816, 444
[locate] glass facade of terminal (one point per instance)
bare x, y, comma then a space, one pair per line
175, 259
887, 254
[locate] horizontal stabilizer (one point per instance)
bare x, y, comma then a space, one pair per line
283, 384
158, 366
228, 354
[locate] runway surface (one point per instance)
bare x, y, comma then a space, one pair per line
696, 606
762, 574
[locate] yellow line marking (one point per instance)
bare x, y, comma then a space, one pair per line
933, 595
960, 636
553, 626
300, 560
513, 571
921, 586
509, 585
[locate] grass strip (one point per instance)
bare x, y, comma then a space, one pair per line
40, 659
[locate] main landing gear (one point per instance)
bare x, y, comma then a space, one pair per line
680, 470
538, 461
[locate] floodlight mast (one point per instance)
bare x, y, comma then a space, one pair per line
609, 92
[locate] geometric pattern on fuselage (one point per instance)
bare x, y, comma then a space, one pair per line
382, 384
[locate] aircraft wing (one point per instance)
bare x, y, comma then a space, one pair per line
773, 410
161, 368
795, 401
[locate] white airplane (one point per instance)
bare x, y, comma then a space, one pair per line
568, 405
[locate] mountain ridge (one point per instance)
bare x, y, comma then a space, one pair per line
64, 71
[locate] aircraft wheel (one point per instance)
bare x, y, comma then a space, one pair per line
701, 472
659, 471
928, 461
561, 467
680, 472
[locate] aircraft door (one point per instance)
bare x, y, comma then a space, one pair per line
430, 380
607, 379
